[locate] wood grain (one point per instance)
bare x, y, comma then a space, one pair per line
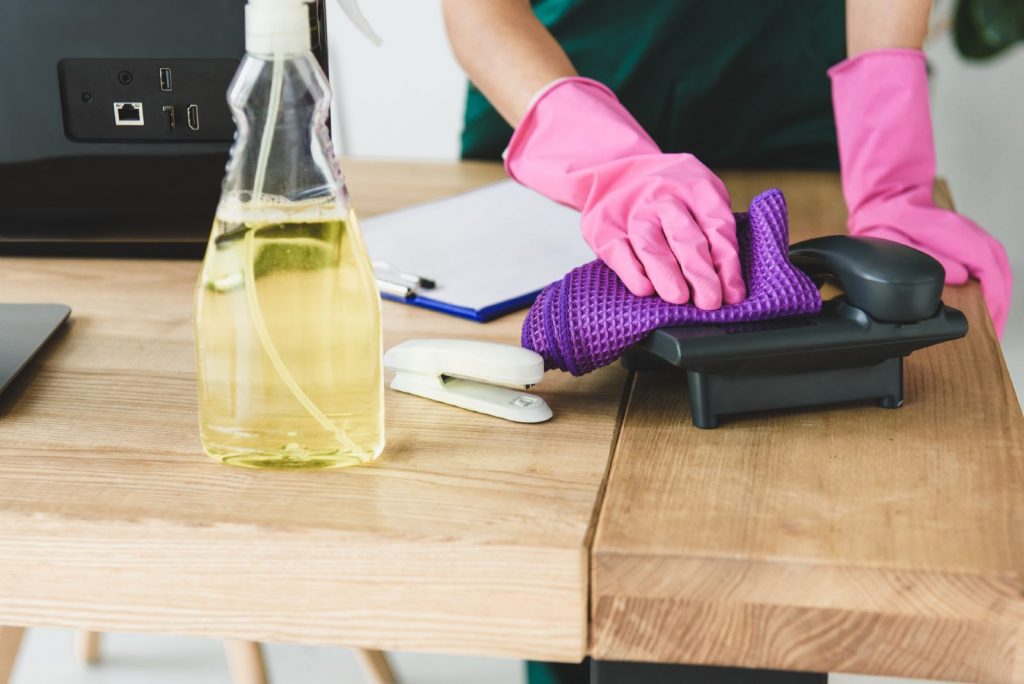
469, 535
851, 539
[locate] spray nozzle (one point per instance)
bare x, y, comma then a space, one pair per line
355, 15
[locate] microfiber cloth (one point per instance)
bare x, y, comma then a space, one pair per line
588, 319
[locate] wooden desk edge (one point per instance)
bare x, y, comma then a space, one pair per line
498, 598
115, 579
716, 610
980, 647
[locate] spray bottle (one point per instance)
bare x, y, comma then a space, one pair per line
288, 326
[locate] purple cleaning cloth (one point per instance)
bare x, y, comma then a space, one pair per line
588, 318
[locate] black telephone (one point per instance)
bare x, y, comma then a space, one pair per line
853, 351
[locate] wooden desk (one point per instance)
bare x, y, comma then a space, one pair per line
856, 540
470, 535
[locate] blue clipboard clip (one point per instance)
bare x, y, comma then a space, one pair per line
398, 286
488, 313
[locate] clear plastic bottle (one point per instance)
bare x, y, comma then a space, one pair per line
288, 327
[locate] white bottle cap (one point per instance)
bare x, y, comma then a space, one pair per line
276, 27
281, 27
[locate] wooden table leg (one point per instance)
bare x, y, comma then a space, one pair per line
375, 666
10, 640
87, 646
245, 659
614, 672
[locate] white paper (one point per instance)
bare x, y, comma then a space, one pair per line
482, 247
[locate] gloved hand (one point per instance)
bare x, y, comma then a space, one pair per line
887, 157
662, 222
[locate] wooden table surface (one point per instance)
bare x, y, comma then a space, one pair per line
857, 539
470, 534
852, 539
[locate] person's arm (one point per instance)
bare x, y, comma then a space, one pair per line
505, 50
660, 221
877, 24
887, 154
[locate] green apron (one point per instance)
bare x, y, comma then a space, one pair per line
738, 83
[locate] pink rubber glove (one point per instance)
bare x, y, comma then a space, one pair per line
887, 157
662, 222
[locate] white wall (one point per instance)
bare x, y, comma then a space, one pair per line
406, 100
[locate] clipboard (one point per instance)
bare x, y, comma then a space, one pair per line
490, 250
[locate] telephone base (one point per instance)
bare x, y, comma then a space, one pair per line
841, 356
713, 394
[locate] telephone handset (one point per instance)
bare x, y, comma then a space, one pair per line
884, 279
853, 351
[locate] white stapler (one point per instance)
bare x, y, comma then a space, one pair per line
480, 376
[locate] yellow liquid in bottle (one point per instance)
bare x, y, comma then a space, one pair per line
288, 342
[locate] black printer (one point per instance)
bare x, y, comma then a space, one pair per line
114, 128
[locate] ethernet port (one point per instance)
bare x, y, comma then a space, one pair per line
128, 114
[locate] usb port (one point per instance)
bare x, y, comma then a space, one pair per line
165, 79
128, 114
192, 114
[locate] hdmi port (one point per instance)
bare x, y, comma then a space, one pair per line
192, 114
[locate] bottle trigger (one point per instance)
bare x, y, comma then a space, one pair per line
355, 15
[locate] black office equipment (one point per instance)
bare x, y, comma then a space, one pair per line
24, 329
853, 351
114, 128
